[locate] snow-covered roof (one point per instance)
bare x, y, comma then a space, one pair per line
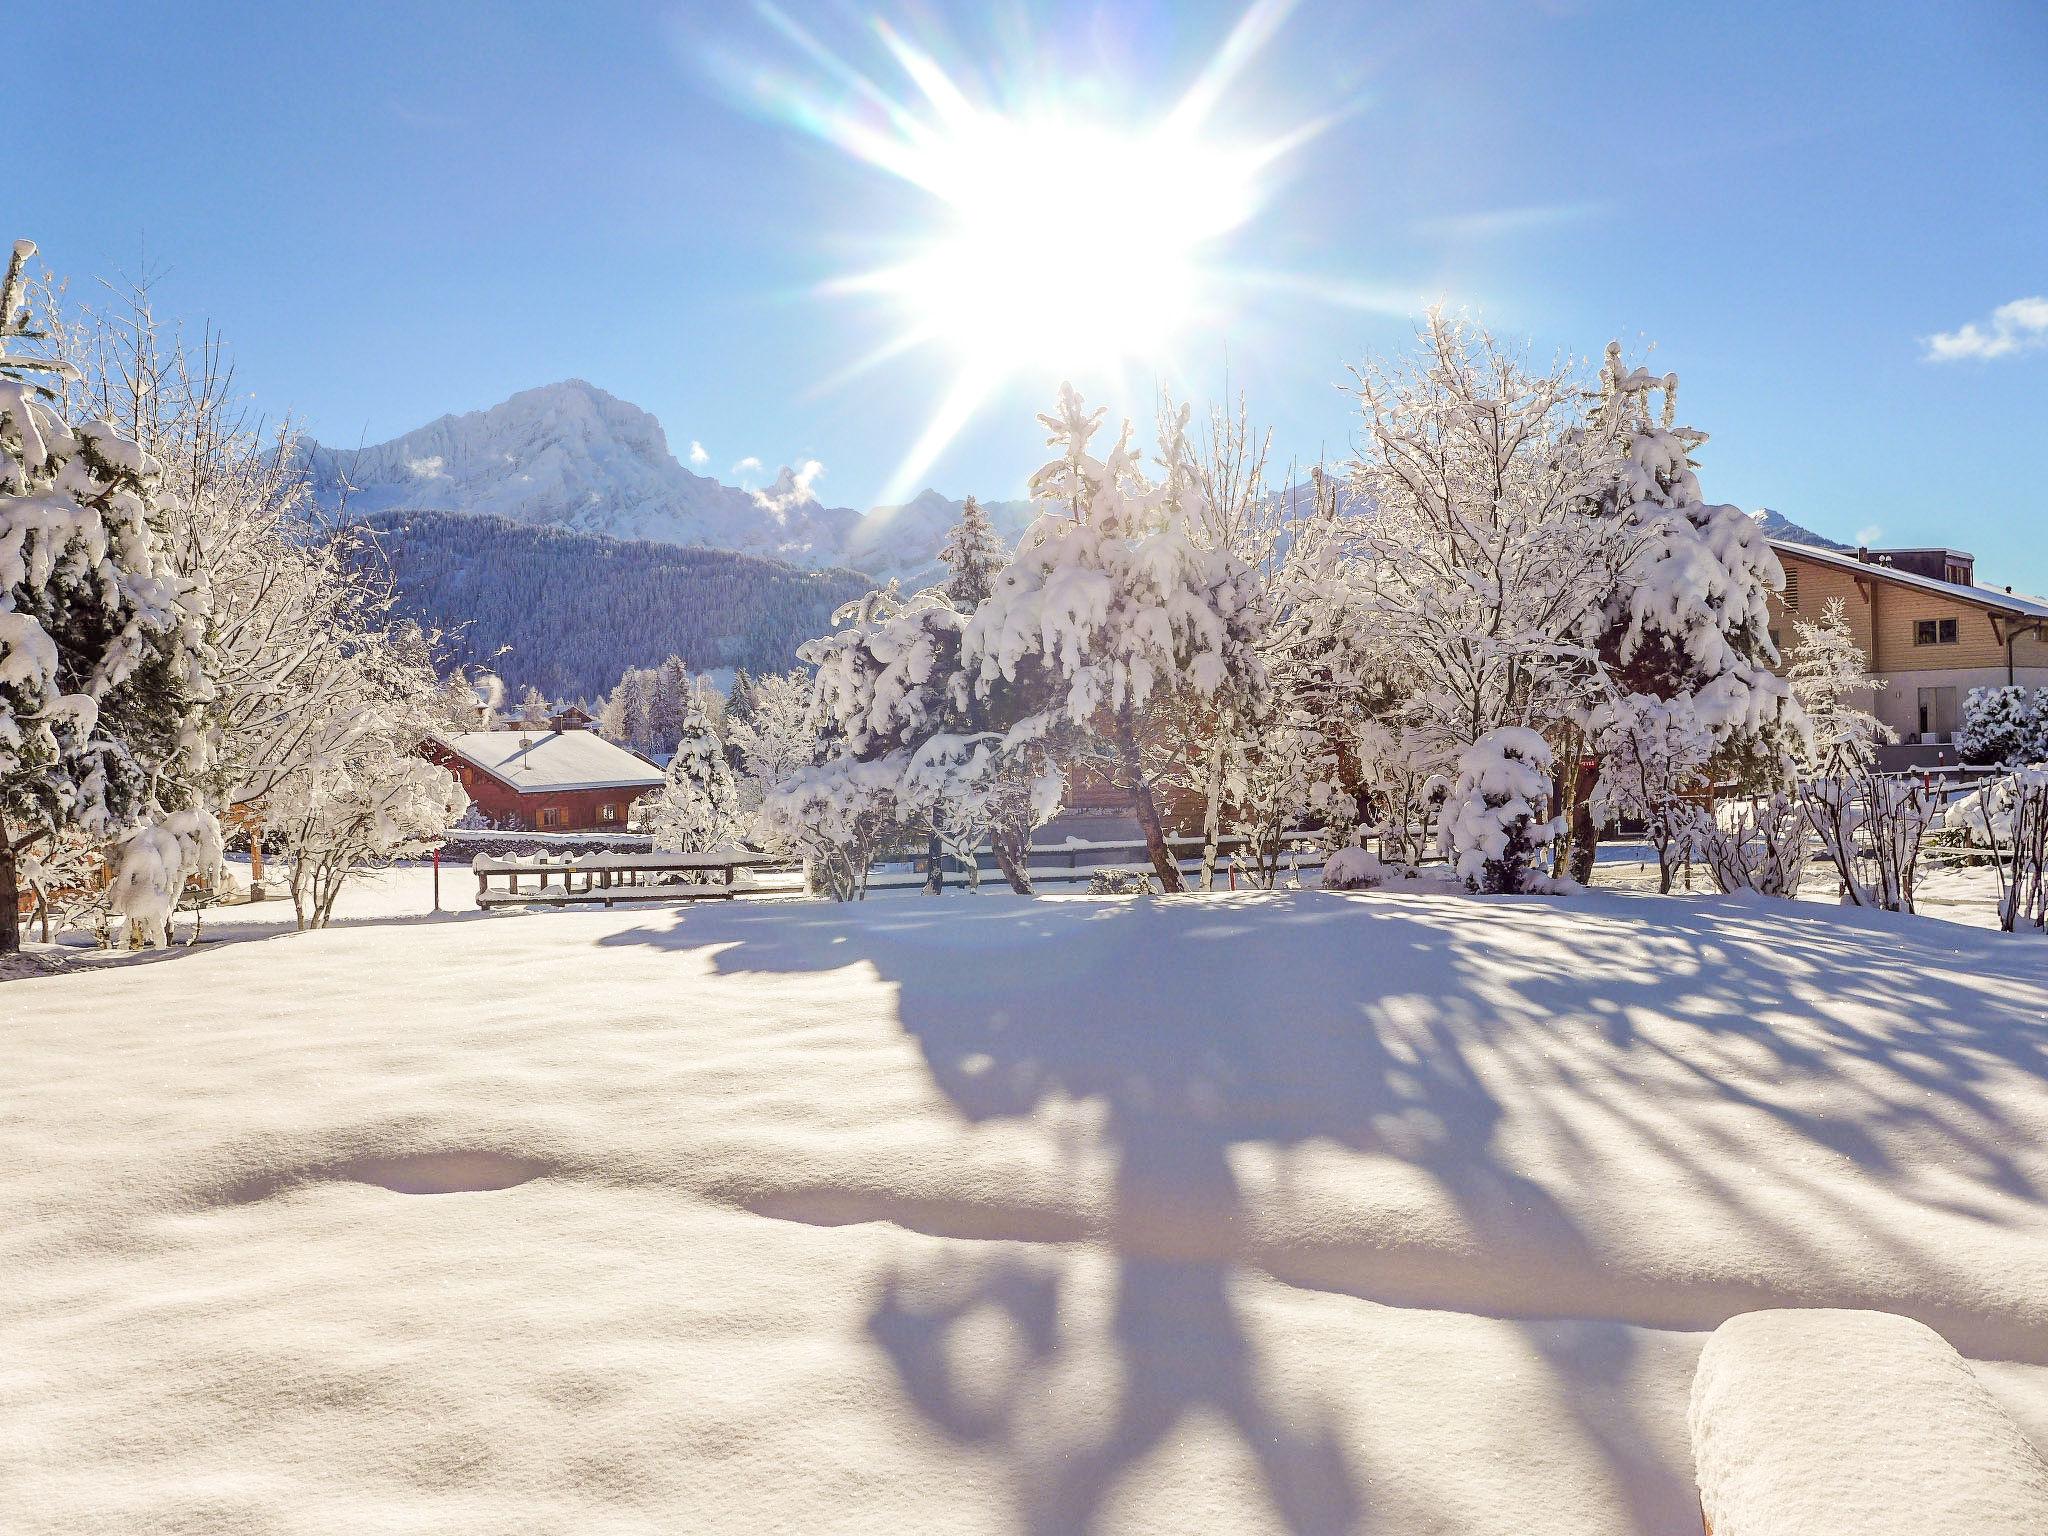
537, 760
1984, 597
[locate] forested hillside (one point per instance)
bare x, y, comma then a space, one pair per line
571, 611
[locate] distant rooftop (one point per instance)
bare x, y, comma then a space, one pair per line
553, 759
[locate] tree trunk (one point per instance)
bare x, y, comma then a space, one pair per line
10, 896
1212, 812
1146, 807
1013, 856
935, 875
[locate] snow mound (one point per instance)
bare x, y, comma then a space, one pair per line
1813, 1422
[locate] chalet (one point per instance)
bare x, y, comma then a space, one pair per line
1928, 630
546, 780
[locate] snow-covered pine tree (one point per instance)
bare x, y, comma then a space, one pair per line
533, 709
2005, 727
973, 554
698, 809
670, 694
1493, 826
100, 642
1687, 620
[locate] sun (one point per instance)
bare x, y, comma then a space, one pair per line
1064, 244
1058, 240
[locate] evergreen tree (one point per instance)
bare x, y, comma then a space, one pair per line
100, 649
670, 695
698, 808
973, 553
2004, 726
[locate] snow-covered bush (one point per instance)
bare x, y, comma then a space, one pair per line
2003, 726
1356, 869
101, 642
1754, 845
1651, 752
2009, 816
1494, 827
1870, 828
154, 868
1120, 882
836, 815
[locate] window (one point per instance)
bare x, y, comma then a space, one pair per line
550, 816
1934, 632
1791, 586
607, 812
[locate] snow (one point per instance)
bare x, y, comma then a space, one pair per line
562, 760
1822, 1420
1294, 1211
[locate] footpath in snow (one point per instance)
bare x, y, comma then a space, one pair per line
1292, 1212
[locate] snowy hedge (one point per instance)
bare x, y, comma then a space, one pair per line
1814, 1421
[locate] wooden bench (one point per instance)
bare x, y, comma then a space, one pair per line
595, 879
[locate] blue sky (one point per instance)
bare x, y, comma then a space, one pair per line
395, 210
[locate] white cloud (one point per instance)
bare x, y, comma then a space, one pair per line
798, 492
747, 468
2021, 326
698, 454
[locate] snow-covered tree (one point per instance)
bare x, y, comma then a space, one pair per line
697, 809
1652, 752
1485, 574
1115, 614
671, 694
101, 643
890, 686
1826, 671
365, 802
2005, 726
1688, 618
972, 554
774, 735
1494, 826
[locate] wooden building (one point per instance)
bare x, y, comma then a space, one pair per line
1926, 628
546, 781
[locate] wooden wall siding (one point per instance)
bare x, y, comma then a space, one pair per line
1882, 615
1817, 584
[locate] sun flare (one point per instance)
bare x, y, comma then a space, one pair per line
1059, 239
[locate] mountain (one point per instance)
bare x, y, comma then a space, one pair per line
567, 611
1778, 526
572, 456
903, 541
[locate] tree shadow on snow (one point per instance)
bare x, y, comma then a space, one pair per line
1389, 1027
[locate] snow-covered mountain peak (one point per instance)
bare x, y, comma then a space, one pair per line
575, 455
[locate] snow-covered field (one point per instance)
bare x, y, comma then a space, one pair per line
1296, 1212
